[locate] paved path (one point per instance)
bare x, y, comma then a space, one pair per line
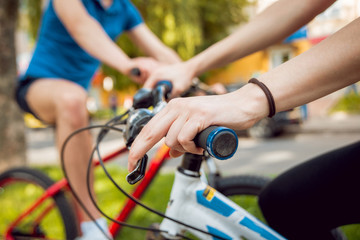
272, 156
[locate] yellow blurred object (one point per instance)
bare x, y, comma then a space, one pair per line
33, 122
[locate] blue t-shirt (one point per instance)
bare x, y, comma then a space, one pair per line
57, 55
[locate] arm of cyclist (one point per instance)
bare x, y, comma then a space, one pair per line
271, 26
151, 45
89, 34
330, 65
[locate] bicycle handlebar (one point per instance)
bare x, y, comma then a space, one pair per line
219, 142
135, 72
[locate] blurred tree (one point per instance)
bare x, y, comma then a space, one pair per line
12, 139
32, 11
219, 18
187, 26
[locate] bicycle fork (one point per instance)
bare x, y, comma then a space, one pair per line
199, 205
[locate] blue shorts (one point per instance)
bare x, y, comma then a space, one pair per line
20, 94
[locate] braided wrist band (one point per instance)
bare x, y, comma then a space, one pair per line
272, 108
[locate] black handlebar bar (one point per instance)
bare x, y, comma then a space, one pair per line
135, 72
219, 142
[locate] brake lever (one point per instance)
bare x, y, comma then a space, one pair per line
139, 118
139, 172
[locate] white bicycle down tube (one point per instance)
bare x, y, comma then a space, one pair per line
198, 205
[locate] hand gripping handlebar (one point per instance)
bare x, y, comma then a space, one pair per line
219, 142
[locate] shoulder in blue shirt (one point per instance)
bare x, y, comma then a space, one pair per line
57, 55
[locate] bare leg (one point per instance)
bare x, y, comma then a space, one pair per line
63, 103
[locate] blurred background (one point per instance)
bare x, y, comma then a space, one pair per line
189, 27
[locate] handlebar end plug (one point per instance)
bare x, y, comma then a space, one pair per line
222, 144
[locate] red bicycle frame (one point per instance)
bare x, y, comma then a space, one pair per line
155, 165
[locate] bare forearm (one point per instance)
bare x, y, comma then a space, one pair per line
90, 36
272, 25
152, 46
327, 67
161, 52
166, 55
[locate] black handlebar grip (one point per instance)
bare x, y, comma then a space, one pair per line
219, 142
135, 72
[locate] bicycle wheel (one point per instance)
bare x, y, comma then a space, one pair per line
53, 219
243, 190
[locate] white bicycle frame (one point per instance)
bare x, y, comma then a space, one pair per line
199, 205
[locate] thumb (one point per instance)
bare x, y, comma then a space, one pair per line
151, 82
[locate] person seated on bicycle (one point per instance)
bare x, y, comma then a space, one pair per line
75, 36
313, 198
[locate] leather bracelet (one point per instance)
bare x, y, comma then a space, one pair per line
272, 108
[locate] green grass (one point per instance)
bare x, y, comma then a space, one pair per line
349, 103
106, 113
111, 200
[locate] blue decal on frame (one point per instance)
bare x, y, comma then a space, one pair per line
263, 232
217, 233
214, 204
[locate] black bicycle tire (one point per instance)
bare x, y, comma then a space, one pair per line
252, 185
241, 184
37, 177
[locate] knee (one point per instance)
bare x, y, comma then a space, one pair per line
71, 109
